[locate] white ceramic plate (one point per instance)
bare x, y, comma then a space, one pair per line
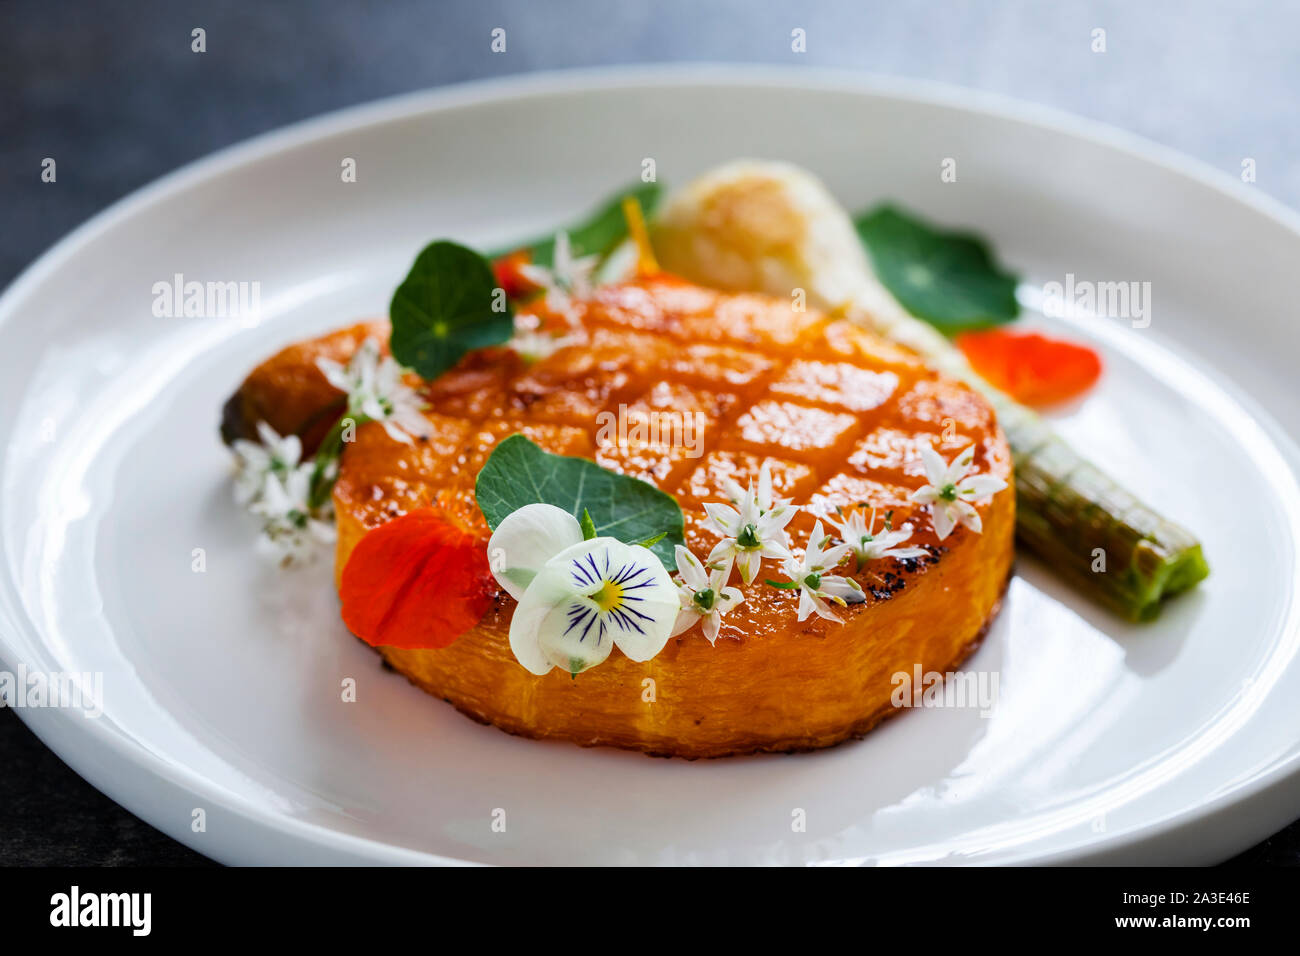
1175, 742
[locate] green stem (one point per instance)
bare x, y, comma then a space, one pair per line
333, 408
331, 447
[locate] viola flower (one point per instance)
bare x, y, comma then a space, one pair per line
703, 594
589, 598
751, 531
951, 490
254, 462
291, 528
815, 586
856, 531
567, 278
525, 540
376, 392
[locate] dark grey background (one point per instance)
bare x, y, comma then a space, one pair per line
112, 91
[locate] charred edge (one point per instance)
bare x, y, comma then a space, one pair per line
233, 424
893, 583
912, 565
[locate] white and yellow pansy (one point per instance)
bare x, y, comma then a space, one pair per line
578, 599
525, 540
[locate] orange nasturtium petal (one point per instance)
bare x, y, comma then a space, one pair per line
416, 581
1031, 368
506, 269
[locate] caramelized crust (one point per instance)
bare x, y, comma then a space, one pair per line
839, 415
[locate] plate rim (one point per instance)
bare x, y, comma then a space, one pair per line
266, 836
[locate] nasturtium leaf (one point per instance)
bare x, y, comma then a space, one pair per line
447, 305
519, 473
601, 231
949, 279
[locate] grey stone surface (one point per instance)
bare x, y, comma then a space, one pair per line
112, 90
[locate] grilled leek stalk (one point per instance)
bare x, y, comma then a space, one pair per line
1080, 522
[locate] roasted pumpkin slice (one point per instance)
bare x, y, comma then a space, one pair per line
839, 416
